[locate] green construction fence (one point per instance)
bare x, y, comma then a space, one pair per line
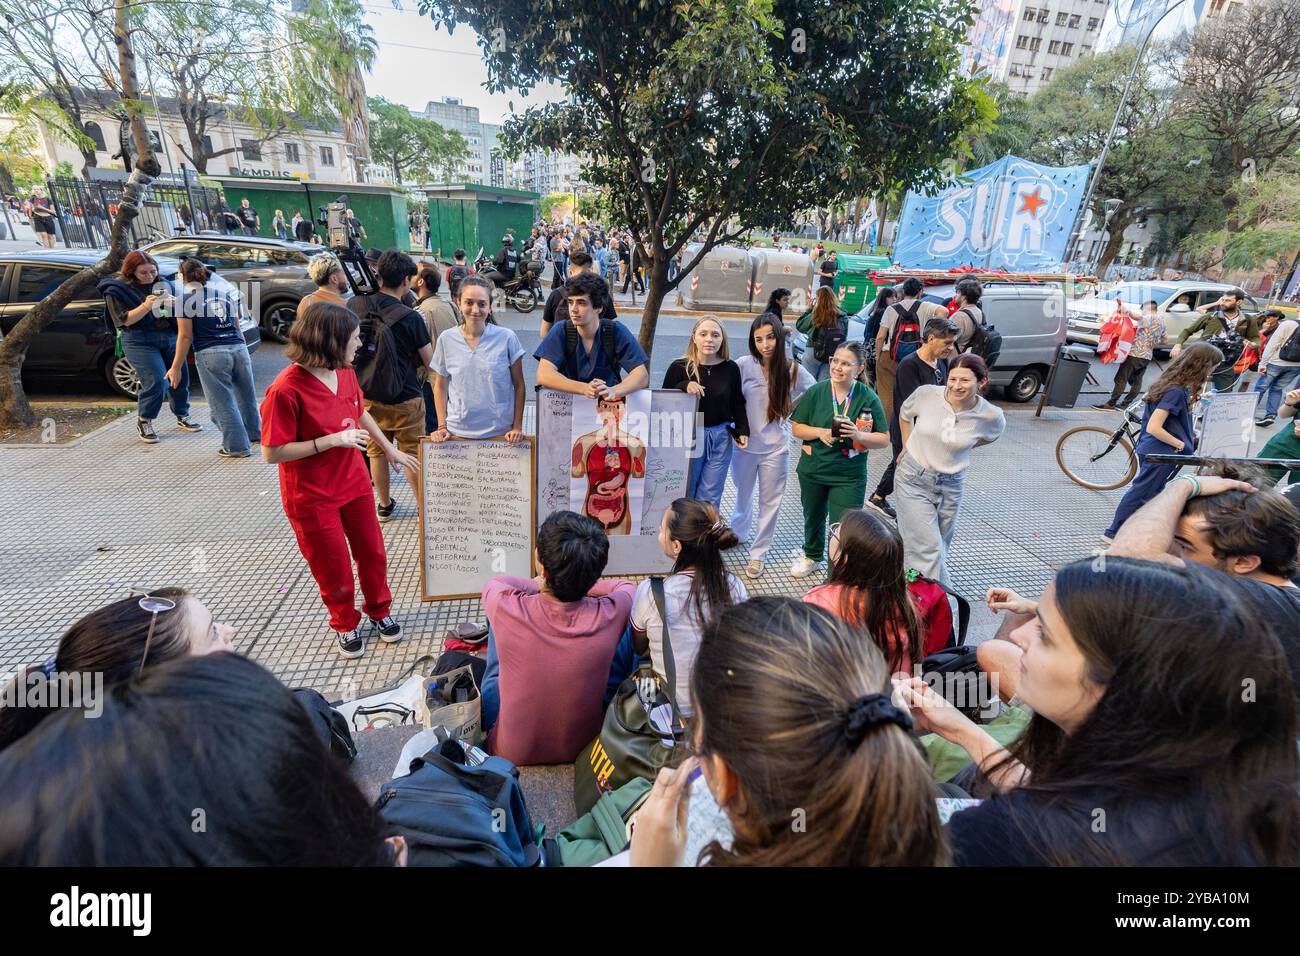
380, 209
853, 280
470, 216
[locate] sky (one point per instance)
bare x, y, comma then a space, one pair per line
418, 63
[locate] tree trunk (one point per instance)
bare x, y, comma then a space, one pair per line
656, 288
1114, 240
14, 408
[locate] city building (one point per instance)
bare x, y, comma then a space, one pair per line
451, 113
1130, 20
545, 171
307, 152
1023, 43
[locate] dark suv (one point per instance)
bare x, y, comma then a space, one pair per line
79, 342
279, 269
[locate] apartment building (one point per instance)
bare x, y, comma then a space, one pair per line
1050, 35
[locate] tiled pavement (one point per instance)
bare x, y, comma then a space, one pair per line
82, 523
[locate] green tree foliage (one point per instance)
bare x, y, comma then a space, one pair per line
415, 149
693, 116
1266, 221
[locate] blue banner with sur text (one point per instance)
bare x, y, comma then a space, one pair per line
1012, 214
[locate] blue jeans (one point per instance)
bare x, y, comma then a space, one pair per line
430, 410
709, 468
150, 354
1273, 384
226, 372
927, 503
623, 666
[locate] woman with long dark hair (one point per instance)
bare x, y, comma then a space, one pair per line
793, 715
119, 641
1166, 426
141, 308
825, 325
1164, 729
699, 588
884, 299
868, 587
771, 384
941, 425
777, 303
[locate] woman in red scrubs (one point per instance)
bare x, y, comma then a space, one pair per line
313, 422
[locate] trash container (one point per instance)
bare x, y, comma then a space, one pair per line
1066, 378
723, 280
774, 270
853, 280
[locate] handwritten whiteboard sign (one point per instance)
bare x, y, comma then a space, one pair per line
476, 514
1228, 425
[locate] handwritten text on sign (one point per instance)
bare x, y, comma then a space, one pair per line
477, 514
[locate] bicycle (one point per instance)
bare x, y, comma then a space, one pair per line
1101, 459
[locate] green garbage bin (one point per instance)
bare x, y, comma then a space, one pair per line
853, 280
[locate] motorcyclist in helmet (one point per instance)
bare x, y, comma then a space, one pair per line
506, 263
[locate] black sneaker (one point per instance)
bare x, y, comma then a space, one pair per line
351, 644
386, 511
188, 424
234, 454
147, 434
1265, 422
390, 632
881, 505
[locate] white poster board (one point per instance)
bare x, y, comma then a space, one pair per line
1228, 425
476, 514
668, 432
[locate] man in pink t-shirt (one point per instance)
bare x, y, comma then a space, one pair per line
557, 645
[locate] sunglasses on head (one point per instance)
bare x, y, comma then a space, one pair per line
153, 604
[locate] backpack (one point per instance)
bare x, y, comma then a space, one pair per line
329, 724
452, 814
986, 342
455, 275
827, 338
604, 831
607, 342
931, 600
380, 367
1290, 350
906, 337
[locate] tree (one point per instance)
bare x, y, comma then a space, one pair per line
1267, 227
28, 108
743, 111
337, 46
552, 201
14, 408
414, 148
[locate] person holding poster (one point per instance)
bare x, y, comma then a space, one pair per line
609, 458
313, 422
588, 355
708, 373
1167, 426
837, 420
771, 384
478, 369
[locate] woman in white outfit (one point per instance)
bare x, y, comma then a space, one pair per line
766, 459
941, 426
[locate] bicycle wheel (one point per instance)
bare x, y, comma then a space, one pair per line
1098, 458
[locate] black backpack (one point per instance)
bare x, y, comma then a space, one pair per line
607, 342
827, 338
380, 367
986, 342
906, 338
1290, 350
455, 275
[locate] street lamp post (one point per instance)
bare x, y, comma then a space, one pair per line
1085, 217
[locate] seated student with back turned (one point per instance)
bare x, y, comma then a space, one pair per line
1143, 749
587, 355
555, 645
793, 710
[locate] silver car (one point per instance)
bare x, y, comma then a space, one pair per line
277, 269
1178, 304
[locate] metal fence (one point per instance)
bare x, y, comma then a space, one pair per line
173, 206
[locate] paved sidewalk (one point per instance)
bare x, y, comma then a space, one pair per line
85, 522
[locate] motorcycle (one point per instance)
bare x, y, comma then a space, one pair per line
524, 291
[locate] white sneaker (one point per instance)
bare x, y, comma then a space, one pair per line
754, 569
803, 566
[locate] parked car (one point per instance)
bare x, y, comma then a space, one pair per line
1177, 301
79, 343
278, 267
1029, 316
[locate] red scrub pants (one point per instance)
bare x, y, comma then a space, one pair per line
324, 539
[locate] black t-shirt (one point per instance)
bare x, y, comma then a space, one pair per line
723, 400
247, 215
1279, 608
913, 372
411, 334
557, 308
1009, 830
828, 269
